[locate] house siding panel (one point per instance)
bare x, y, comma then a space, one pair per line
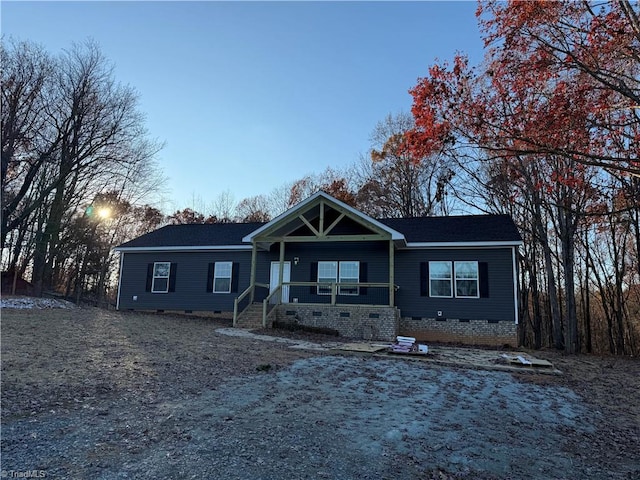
499, 306
374, 254
190, 284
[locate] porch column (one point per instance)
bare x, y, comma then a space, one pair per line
281, 272
391, 274
254, 261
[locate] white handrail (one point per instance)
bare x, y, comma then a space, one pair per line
265, 305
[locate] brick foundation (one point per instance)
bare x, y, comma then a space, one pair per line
352, 321
470, 332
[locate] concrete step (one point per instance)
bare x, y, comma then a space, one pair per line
251, 317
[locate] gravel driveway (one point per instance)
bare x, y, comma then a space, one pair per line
275, 413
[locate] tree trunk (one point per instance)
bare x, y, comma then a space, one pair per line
100, 290
39, 259
587, 298
556, 321
566, 221
537, 315
604, 293
524, 317
572, 342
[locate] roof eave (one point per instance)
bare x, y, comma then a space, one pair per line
488, 244
185, 248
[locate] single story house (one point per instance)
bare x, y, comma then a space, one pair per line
323, 263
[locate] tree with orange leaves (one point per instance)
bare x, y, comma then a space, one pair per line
558, 95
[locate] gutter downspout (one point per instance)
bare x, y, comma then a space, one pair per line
515, 284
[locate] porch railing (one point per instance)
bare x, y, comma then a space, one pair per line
338, 293
314, 293
242, 302
268, 305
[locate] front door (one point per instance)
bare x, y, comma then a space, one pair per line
275, 276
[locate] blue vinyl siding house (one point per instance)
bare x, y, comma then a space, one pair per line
325, 264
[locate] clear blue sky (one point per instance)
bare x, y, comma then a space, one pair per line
251, 95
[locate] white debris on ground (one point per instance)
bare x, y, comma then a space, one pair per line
408, 345
34, 303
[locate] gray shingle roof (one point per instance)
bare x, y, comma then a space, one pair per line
465, 228
453, 229
196, 235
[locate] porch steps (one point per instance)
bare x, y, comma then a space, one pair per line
251, 317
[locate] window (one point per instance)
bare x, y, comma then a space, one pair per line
349, 273
327, 273
160, 283
460, 279
466, 279
222, 277
440, 279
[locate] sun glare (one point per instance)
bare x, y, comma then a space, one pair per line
104, 213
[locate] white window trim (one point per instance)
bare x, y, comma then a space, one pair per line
477, 279
153, 282
335, 278
216, 276
340, 277
441, 279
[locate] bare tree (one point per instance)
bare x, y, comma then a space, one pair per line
70, 131
26, 73
253, 209
223, 207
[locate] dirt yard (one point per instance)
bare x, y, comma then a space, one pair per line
93, 394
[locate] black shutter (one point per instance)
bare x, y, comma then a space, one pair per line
235, 273
483, 278
313, 277
149, 277
210, 278
424, 279
172, 277
363, 277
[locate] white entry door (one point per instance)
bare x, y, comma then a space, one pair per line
275, 276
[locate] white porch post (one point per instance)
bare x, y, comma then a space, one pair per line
254, 261
281, 272
391, 274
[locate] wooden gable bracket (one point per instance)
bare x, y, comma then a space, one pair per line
379, 234
322, 234
335, 222
311, 227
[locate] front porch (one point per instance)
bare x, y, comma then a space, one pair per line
300, 303
325, 264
